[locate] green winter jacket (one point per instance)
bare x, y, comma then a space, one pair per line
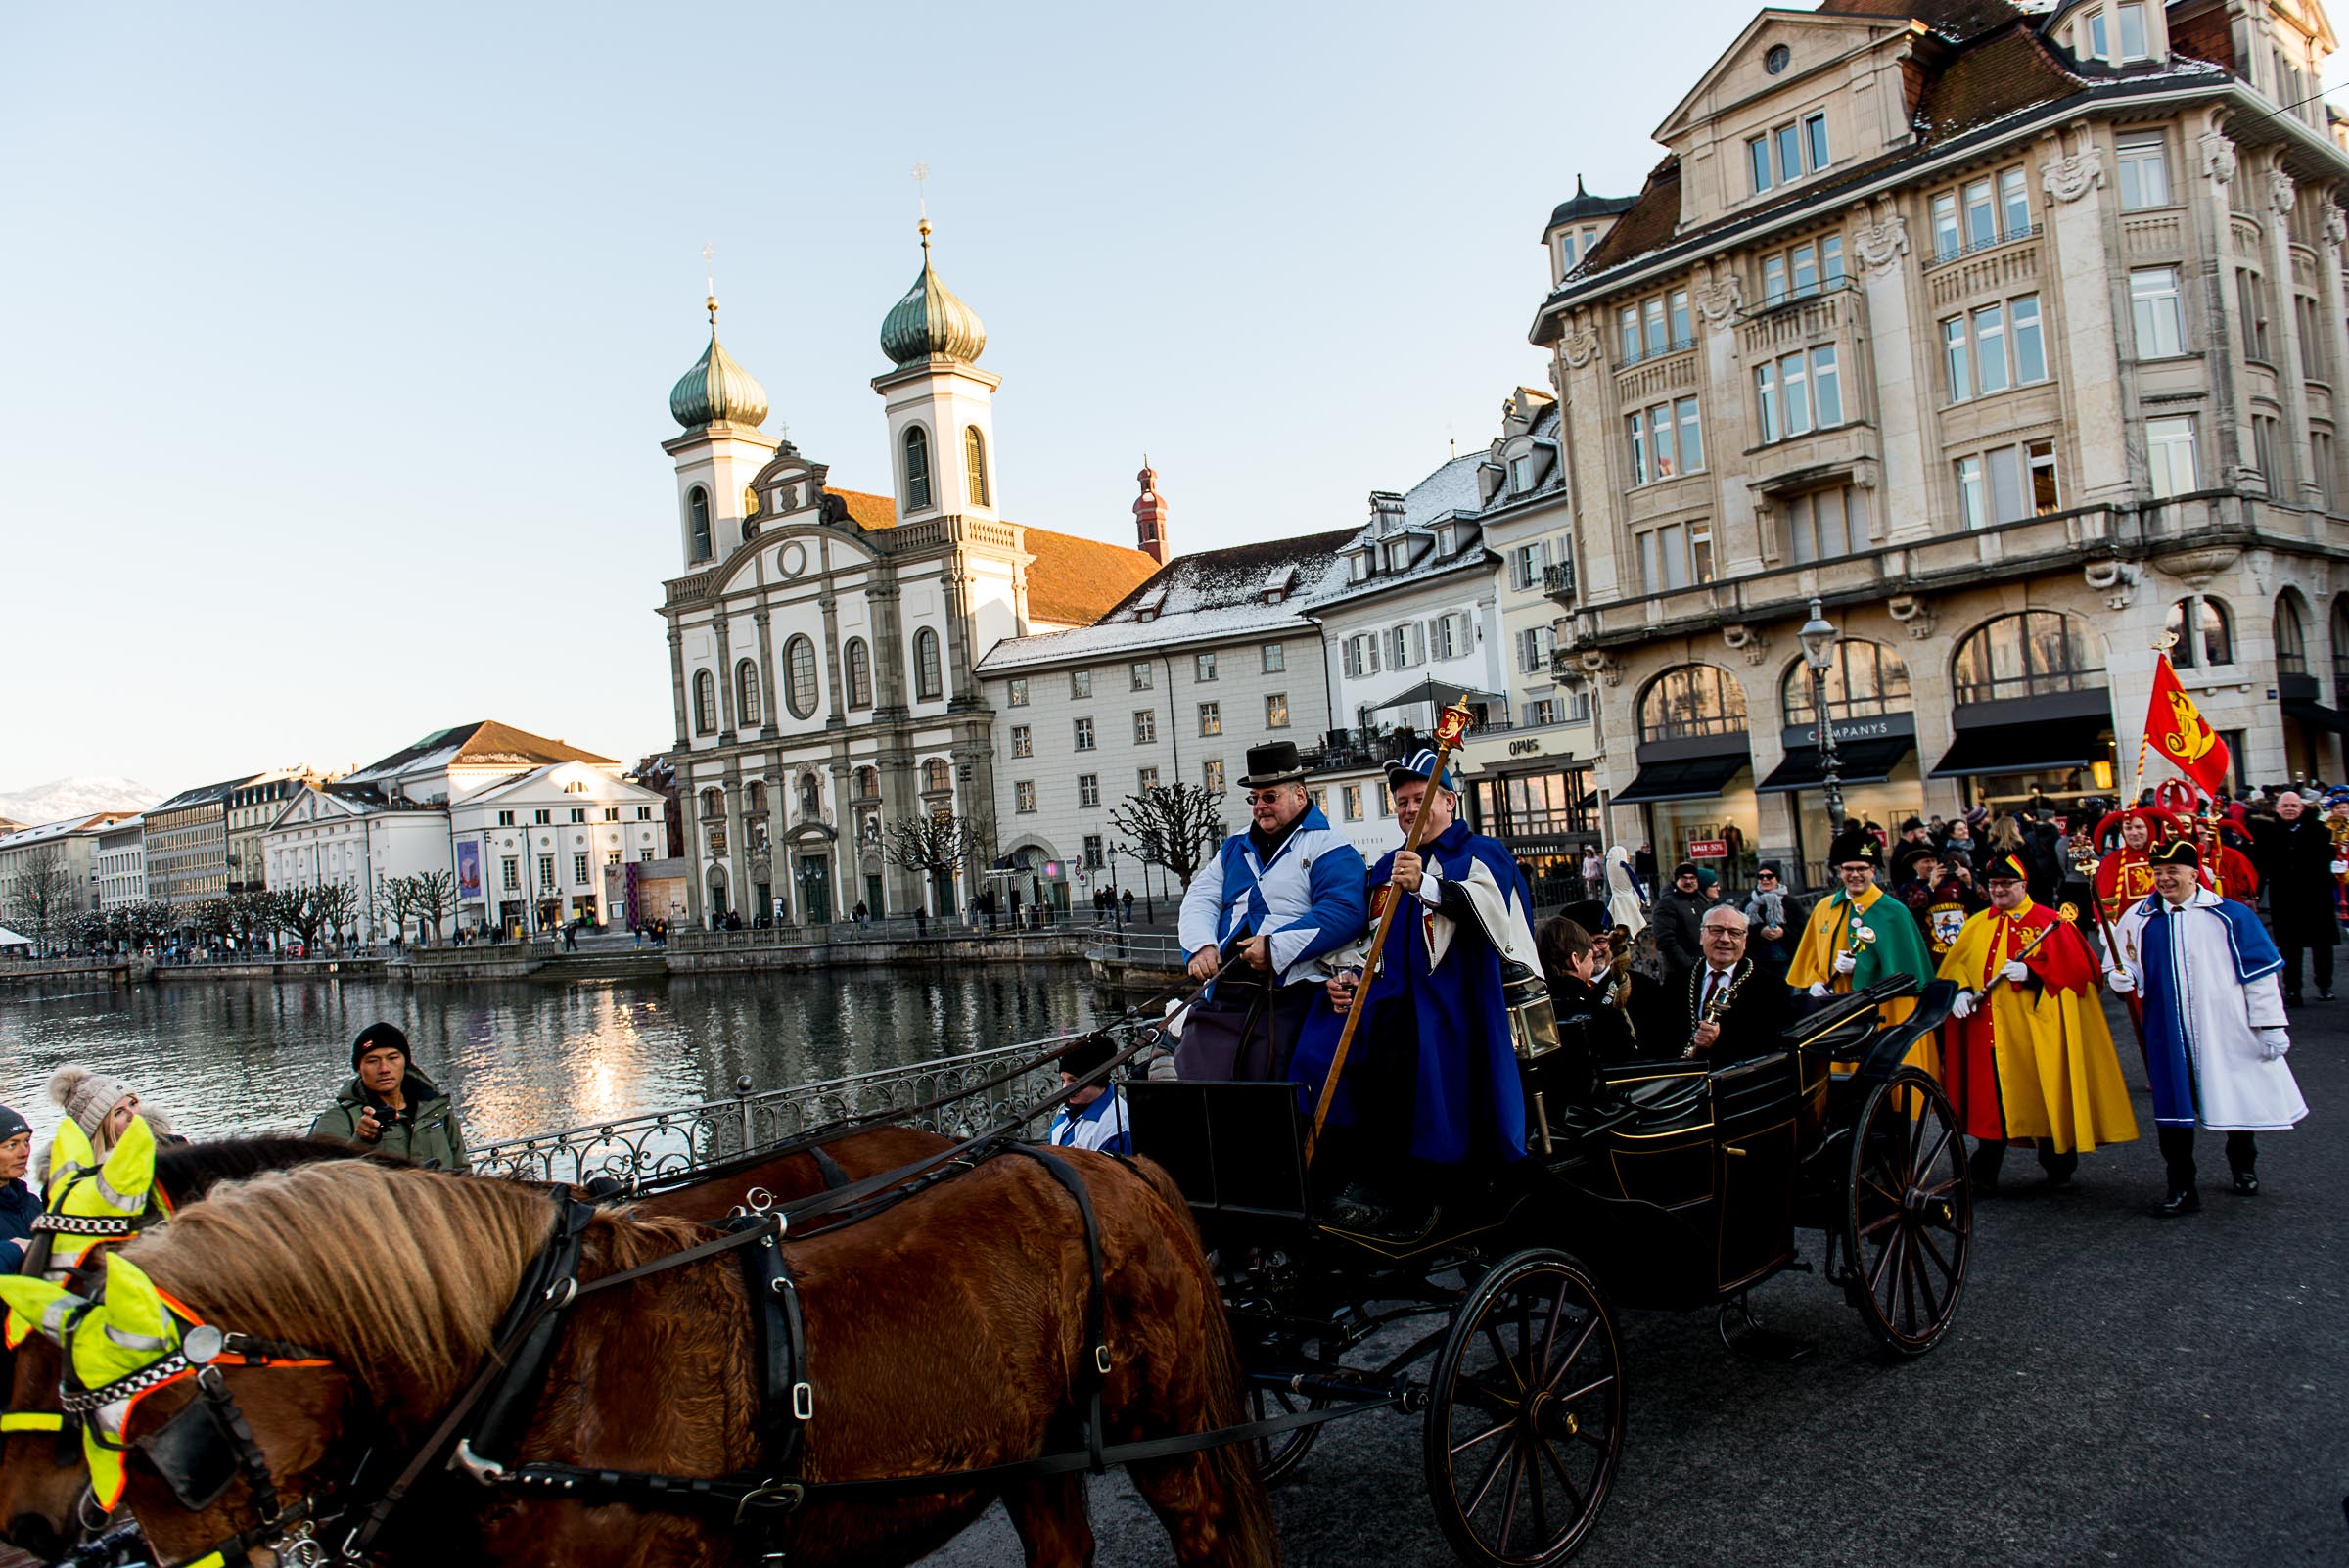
428, 1134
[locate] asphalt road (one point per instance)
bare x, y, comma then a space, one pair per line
2116, 1389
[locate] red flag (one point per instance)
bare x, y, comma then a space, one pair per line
2175, 729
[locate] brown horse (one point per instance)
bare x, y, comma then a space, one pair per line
43, 1482
944, 1334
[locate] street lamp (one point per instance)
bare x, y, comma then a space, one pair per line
1818, 638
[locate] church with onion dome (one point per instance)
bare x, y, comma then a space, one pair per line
822, 641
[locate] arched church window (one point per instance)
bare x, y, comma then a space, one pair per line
750, 500
758, 797
745, 693
928, 681
860, 674
798, 664
917, 468
697, 507
811, 800
974, 462
936, 780
705, 703
868, 784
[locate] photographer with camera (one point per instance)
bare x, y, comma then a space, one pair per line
393, 1108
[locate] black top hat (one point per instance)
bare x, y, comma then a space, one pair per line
1591, 914
2178, 852
1855, 846
1276, 763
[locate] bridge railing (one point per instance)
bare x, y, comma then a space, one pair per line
666, 1143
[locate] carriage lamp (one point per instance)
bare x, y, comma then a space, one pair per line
1818, 638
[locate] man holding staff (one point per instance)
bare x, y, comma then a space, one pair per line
1859, 935
1429, 1091
2026, 1057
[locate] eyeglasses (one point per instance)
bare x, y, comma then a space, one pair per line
1766, 876
1264, 797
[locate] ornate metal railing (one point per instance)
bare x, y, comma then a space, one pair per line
664, 1144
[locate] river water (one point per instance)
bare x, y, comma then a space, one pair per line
248, 1056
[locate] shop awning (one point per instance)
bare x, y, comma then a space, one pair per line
2319, 715
1688, 779
1868, 761
2033, 746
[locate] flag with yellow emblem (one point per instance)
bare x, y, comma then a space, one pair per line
2177, 732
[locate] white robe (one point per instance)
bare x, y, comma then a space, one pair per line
2218, 1014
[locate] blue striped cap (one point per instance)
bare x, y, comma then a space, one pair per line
1420, 764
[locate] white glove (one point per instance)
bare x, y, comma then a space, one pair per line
1845, 963
2120, 979
2273, 1043
2015, 972
1818, 988
2339, 866
1963, 1006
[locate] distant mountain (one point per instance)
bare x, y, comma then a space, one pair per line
63, 797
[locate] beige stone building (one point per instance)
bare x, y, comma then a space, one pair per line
184, 844
2010, 335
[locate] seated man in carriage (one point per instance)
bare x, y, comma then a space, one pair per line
1735, 1005
1428, 1101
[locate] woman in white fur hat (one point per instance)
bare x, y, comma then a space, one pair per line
102, 1105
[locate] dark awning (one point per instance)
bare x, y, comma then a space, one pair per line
1688, 779
2319, 715
2032, 746
1868, 761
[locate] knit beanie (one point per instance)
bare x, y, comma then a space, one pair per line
12, 1124
86, 1095
376, 1036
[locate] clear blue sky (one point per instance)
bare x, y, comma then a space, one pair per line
338, 340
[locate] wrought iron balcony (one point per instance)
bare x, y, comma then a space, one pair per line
1558, 582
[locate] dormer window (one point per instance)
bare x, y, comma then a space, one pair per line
1277, 583
1148, 608
1521, 473
1398, 555
1790, 152
1357, 567
2124, 25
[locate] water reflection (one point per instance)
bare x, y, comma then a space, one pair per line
248, 1056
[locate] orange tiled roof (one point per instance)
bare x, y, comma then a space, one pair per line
1071, 583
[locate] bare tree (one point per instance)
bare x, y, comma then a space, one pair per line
939, 842
336, 903
433, 895
1177, 826
40, 897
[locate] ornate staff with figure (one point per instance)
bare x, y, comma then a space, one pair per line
1859, 935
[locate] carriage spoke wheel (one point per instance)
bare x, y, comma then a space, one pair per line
1278, 1455
1910, 1222
1525, 1414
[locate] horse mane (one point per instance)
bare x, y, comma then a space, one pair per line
399, 1274
187, 1171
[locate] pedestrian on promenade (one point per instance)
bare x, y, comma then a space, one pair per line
1679, 916
390, 1106
1127, 898
2294, 856
102, 1106
2214, 1021
20, 1205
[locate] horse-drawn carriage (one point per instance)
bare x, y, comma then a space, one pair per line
1671, 1186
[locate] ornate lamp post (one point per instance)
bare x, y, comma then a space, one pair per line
1818, 638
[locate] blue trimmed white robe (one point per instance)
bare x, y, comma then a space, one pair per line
1099, 1126
1308, 898
2206, 971
1442, 984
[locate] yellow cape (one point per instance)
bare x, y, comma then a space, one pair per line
2059, 1077
1898, 948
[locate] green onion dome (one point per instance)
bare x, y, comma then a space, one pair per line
716, 389
931, 320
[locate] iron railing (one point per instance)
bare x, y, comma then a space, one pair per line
664, 1144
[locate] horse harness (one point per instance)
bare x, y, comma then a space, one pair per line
208, 1444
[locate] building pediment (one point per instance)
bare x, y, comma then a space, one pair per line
788, 551
1814, 44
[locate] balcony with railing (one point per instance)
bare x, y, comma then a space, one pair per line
1558, 582
1803, 318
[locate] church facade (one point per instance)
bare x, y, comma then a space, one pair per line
824, 642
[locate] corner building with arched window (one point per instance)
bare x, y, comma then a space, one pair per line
821, 641
2013, 335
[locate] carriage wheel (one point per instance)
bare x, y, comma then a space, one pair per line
1277, 1457
1525, 1414
1909, 1220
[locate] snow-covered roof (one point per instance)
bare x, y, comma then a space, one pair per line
484, 743
27, 837
1194, 598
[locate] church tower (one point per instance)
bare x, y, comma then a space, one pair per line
721, 407
940, 406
